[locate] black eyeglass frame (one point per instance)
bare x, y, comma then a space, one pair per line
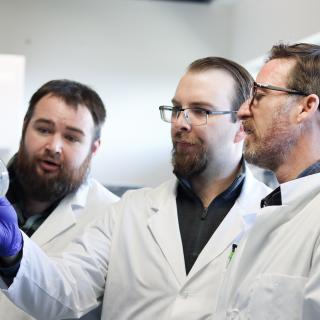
179, 110
257, 85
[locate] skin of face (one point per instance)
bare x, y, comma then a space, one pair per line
270, 120
212, 148
57, 147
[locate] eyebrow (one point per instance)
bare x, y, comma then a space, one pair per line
194, 104
174, 101
51, 123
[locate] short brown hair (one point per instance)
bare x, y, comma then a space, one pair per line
74, 94
242, 79
305, 74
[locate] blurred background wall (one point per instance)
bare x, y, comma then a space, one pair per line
133, 52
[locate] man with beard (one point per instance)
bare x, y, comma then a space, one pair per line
49, 185
275, 273
158, 253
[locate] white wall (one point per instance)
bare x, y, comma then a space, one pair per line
12, 71
132, 52
258, 25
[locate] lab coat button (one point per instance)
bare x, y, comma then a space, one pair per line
184, 294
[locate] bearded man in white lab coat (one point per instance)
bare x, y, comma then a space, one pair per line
49, 184
158, 253
275, 273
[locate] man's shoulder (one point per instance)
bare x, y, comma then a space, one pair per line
98, 192
165, 189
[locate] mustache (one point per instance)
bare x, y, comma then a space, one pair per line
248, 126
51, 157
180, 137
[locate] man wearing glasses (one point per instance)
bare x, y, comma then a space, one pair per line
275, 273
160, 253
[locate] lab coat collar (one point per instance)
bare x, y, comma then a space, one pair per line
295, 191
238, 220
163, 224
63, 217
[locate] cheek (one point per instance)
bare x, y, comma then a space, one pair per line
221, 133
265, 125
32, 144
173, 130
74, 157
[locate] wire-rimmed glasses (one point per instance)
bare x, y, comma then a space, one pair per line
194, 116
257, 86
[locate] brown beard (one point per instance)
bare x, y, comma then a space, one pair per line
188, 165
45, 188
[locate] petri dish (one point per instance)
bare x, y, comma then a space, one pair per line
4, 179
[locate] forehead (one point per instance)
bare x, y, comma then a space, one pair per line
59, 113
211, 86
276, 72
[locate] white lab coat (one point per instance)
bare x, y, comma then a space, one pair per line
138, 248
275, 273
66, 222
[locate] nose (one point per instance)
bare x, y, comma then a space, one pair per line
55, 144
245, 110
181, 123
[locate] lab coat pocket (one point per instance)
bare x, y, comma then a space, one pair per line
276, 297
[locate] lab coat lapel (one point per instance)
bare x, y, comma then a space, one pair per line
164, 226
269, 220
238, 220
57, 222
63, 217
230, 231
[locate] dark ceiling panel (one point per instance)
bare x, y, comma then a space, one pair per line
193, 1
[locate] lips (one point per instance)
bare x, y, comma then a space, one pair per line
184, 146
248, 128
49, 165
184, 143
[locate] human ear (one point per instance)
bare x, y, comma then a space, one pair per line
95, 146
308, 106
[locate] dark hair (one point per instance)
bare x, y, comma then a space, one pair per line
242, 79
305, 74
74, 94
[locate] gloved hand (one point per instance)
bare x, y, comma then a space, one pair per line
10, 236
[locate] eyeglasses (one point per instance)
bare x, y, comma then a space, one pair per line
194, 116
257, 86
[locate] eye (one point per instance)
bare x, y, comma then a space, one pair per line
176, 110
258, 96
198, 112
43, 130
72, 138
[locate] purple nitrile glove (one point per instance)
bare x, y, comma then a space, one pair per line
10, 236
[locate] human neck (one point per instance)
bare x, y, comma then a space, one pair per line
208, 186
303, 156
33, 207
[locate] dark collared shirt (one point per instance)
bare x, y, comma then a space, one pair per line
197, 223
274, 198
